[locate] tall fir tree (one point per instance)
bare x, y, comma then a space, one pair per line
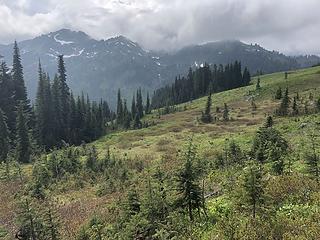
119, 108
254, 188
18, 81
23, 144
56, 109
246, 77
133, 108
206, 115
7, 99
148, 107
4, 138
139, 103
43, 111
190, 193
226, 113
64, 94
284, 106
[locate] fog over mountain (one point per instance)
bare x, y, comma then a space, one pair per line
291, 26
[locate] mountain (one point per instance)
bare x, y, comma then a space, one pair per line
99, 68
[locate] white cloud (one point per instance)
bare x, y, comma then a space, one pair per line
291, 26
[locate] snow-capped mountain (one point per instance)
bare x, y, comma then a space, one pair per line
99, 68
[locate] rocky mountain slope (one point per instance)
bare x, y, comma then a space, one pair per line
99, 68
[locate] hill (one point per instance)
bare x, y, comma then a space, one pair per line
99, 68
140, 153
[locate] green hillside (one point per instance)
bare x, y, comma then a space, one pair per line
96, 203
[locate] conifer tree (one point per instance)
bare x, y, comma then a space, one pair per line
18, 81
137, 123
148, 107
51, 224
312, 156
295, 109
4, 138
57, 110
226, 113
139, 103
133, 202
27, 221
23, 146
133, 108
269, 122
206, 115
126, 117
43, 111
254, 188
246, 77
7, 101
258, 87
64, 99
190, 193
119, 109
284, 106
278, 95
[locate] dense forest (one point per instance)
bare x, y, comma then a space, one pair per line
57, 116
200, 82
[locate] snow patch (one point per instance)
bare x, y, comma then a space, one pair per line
62, 42
75, 54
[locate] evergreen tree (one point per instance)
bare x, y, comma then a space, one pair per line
133, 202
267, 140
133, 108
127, 117
137, 123
27, 221
254, 188
258, 87
18, 81
139, 103
23, 146
269, 122
43, 111
190, 193
119, 109
226, 113
246, 79
7, 101
64, 95
278, 95
4, 138
148, 107
312, 156
295, 109
284, 106
57, 110
206, 115
51, 224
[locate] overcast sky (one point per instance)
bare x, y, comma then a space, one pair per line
290, 26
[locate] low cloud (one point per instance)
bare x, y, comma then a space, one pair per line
290, 26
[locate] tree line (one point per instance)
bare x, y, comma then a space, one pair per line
200, 82
56, 117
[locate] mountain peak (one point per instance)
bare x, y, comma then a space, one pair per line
67, 36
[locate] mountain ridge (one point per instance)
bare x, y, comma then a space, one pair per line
100, 67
